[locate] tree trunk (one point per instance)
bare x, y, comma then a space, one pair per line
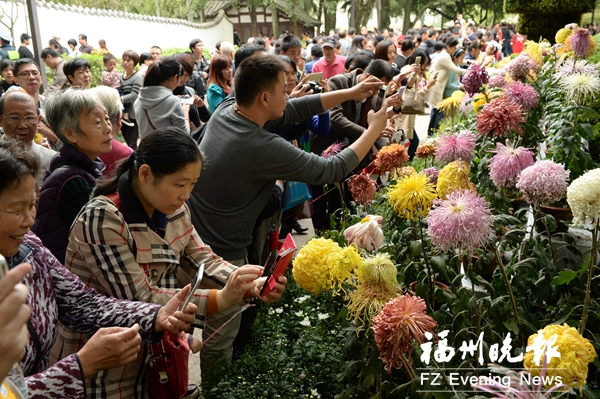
188, 4
275, 20
253, 23
406, 25
157, 8
329, 19
383, 18
353, 14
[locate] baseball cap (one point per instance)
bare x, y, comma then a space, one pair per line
329, 41
5, 36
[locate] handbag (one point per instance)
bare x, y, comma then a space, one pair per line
413, 102
168, 369
298, 194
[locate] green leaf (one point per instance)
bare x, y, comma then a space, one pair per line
564, 277
511, 325
586, 264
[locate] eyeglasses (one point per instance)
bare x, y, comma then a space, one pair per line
27, 73
15, 119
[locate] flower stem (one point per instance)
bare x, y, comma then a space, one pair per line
339, 187
430, 276
510, 291
588, 287
409, 370
552, 250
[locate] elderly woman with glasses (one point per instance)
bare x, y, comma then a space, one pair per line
83, 125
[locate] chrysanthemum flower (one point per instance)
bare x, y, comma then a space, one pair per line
580, 88
378, 271
474, 78
401, 173
342, 265
497, 81
583, 196
523, 94
426, 150
581, 42
562, 35
536, 52
362, 188
366, 234
452, 103
412, 196
401, 321
390, 157
571, 66
432, 174
508, 162
365, 302
311, 270
499, 117
462, 221
333, 150
519, 68
543, 182
575, 352
476, 103
455, 146
454, 176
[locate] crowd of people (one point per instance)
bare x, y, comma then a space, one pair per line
102, 237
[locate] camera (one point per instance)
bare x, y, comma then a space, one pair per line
314, 86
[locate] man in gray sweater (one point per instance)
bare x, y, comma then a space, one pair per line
243, 162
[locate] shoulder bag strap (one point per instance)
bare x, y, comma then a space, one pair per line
149, 121
38, 346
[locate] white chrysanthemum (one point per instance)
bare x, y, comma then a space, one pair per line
580, 87
583, 196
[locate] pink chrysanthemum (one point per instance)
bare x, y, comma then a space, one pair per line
543, 182
572, 66
523, 94
474, 78
390, 157
333, 150
462, 221
499, 117
581, 42
455, 146
400, 321
362, 188
497, 81
432, 174
508, 162
519, 68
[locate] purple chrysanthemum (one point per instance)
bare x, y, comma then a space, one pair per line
432, 174
581, 42
543, 182
462, 221
523, 94
499, 117
508, 162
456, 146
497, 81
333, 150
572, 66
519, 68
474, 78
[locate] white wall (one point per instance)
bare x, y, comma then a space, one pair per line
122, 31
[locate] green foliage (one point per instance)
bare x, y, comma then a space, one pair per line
96, 68
546, 7
538, 25
595, 57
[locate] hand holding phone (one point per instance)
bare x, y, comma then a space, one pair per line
195, 284
379, 101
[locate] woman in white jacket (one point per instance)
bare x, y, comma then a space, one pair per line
442, 66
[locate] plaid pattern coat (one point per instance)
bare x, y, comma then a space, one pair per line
119, 255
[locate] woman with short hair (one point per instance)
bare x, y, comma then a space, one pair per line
219, 81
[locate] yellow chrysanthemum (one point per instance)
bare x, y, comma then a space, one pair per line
365, 302
534, 50
503, 62
575, 351
452, 103
311, 270
562, 35
379, 272
412, 196
454, 176
38, 138
480, 99
341, 265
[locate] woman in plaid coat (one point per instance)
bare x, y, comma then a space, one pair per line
135, 240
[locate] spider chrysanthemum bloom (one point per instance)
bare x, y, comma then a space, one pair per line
311, 270
333, 150
432, 174
518, 69
462, 221
365, 302
366, 234
562, 35
452, 103
378, 271
523, 94
454, 176
412, 196
390, 157
474, 78
575, 354
342, 265
455, 146
499, 117
583, 196
580, 42
497, 81
543, 182
426, 150
580, 88
400, 321
572, 66
508, 162
362, 188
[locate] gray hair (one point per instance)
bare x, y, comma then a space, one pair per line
227, 48
63, 109
111, 100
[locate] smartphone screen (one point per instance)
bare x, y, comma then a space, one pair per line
418, 60
316, 77
195, 284
380, 98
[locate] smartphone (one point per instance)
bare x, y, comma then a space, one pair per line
3, 266
315, 77
380, 98
187, 100
401, 91
195, 284
418, 60
435, 75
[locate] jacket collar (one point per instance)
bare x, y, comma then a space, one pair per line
69, 155
134, 211
25, 251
